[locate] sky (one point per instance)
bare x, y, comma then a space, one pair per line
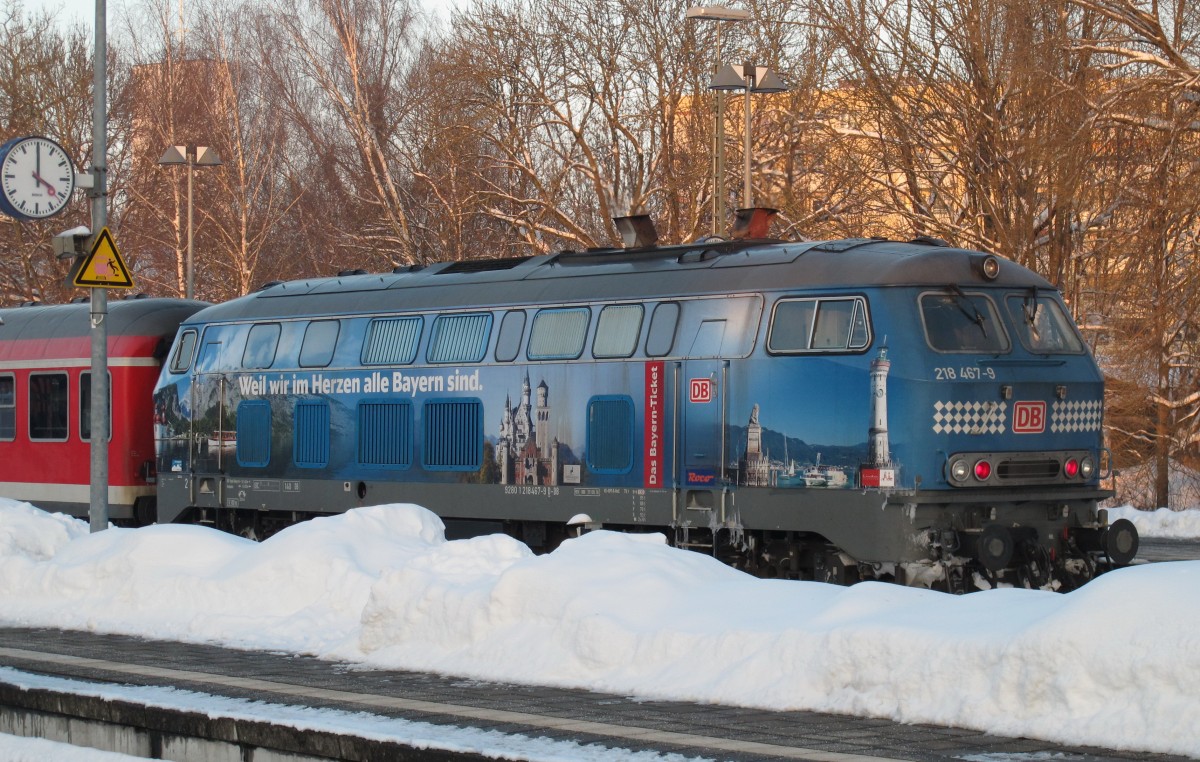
1114, 664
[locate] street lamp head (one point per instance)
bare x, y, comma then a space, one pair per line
728, 78
207, 157
200, 156
174, 155
769, 83
717, 13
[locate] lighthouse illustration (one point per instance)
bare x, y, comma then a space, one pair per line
879, 471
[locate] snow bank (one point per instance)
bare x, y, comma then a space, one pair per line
1113, 664
1162, 523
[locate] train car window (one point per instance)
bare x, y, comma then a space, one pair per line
182, 359
261, 345
320, 339
8, 407
452, 435
385, 434
210, 355
663, 324
508, 343
832, 328
610, 435
392, 341
1042, 325
791, 325
254, 433
85, 406
617, 330
960, 322
860, 335
459, 338
310, 434
837, 324
48, 407
558, 334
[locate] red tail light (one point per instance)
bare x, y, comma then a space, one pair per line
1071, 468
983, 470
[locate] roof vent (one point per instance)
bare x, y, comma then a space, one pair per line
269, 284
344, 273
637, 231
753, 222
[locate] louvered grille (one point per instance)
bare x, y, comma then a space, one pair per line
385, 432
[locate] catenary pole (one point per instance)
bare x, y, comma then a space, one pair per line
98, 503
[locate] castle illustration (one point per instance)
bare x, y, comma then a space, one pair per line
525, 451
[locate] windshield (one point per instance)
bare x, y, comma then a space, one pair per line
1042, 324
960, 322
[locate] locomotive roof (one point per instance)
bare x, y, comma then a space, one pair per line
126, 317
713, 267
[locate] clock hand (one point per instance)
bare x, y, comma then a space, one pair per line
49, 187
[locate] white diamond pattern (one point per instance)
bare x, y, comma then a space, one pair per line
975, 417
1076, 415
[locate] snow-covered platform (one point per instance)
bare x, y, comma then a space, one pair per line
185, 701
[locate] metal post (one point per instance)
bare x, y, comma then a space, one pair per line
98, 496
718, 189
747, 192
191, 282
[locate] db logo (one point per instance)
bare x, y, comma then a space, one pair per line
701, 390
1029, 418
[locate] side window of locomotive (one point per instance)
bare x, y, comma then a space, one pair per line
48, 406
392, 341
959, 322
8, 407
819, 325
210, 356
459, 338
182, 359
1043, 326
558, 334
663, 324
320, 339
791, 325
85, 406
508, 343
260, 346
617, 331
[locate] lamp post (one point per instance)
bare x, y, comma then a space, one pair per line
751, 79
718, 13
192, 156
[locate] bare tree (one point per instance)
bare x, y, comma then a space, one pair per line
45, 89
339, 69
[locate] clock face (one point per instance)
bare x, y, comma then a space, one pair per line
36, 178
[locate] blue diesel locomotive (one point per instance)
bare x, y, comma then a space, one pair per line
830, 410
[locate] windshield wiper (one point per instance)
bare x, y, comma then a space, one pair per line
1031, 310
974, 315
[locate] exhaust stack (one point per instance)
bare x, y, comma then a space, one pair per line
753, 222
637, 231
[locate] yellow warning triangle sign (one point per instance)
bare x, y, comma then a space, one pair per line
103, 267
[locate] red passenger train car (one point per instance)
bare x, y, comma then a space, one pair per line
45, 403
